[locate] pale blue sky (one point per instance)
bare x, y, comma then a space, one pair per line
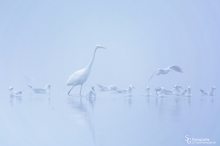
47, 40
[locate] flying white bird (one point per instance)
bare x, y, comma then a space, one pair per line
164, 71
80, 76
44, 90
14, 93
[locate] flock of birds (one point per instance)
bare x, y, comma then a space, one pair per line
79, 78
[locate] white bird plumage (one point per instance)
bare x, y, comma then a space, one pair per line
14, 93
210, 93
44, 90
164, 71
79, 77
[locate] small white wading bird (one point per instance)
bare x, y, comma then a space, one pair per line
203, 92
158, 91
92, 94
14, 93
112, 87
80, 76
211, 93
129, 90
187, 92
177, 90
103, 88
44, 90
148, 91
166, 91
164, 71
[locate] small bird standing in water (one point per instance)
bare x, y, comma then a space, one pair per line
15, 94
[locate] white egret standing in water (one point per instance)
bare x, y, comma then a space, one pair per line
80, 76
164, 71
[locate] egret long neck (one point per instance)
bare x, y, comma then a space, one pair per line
92, 60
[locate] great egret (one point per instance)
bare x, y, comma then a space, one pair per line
44, 90
80, 76
164, 71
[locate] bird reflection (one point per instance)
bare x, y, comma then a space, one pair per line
92, 97
82, 109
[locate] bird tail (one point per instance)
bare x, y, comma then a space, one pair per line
176, 68
30, 86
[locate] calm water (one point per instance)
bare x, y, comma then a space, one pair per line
111, 120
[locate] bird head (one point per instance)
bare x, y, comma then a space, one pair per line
48, 86
100, 47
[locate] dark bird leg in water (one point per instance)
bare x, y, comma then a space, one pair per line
70, 90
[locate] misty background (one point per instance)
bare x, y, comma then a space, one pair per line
45, 41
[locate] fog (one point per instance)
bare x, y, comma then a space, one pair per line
44, 42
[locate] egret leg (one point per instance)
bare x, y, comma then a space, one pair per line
70, 90
81, 90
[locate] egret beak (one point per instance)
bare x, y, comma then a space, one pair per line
100, 47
